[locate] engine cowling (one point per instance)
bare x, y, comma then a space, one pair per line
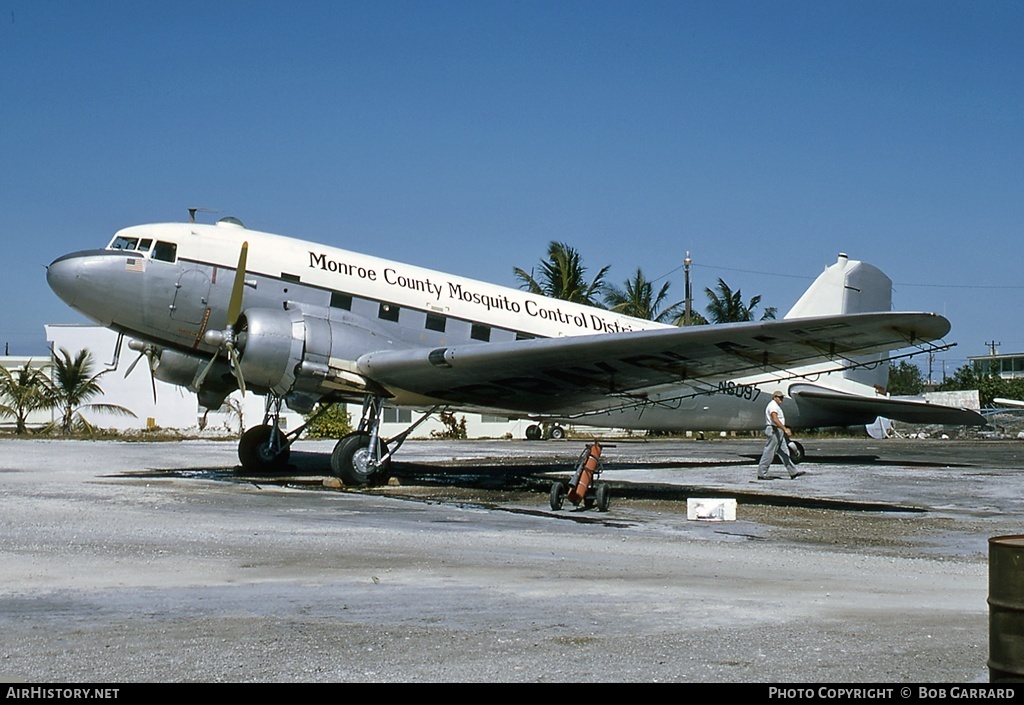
301, 350
271, 343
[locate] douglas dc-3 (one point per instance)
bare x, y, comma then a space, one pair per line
216, 308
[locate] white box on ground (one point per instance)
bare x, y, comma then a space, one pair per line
710, 509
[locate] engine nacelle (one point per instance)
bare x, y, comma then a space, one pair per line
182, 370
302, 350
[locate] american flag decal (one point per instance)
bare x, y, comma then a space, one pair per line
134, 264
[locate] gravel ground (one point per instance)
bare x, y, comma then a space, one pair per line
134, 562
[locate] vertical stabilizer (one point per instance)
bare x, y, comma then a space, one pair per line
849, 286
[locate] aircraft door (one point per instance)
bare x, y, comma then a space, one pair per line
191, 297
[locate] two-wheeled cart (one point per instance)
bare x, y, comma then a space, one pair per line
583, 487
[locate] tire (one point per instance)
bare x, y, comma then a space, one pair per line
533, 433
350, 461
604, 497
796, 452
254, 450
558, 492
557, 433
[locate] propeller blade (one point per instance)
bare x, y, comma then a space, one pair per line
134, 363
147, 350
224, 340
237, 288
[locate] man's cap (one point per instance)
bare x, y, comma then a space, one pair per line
778, 393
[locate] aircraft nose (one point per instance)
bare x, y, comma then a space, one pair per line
96, 283
62, 276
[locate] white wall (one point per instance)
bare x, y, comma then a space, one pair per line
174, 407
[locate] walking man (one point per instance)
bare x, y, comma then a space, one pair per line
778, 436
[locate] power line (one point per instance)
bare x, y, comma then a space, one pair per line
809, 278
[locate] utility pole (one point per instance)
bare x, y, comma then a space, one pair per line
687, 291
992, 347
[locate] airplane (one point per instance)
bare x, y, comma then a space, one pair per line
219, 307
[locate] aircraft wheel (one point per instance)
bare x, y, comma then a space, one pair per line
533, 433
557, 433
604, 497
558, 492
351, 461
796, 452
254, 449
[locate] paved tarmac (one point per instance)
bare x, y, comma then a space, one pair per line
155, 562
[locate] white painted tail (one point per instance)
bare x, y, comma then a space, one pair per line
849, 286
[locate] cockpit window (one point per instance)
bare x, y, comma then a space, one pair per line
166, 251
124, 243
131, 243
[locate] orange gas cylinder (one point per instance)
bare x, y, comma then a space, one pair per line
586, 473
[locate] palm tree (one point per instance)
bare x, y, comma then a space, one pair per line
637, 299
24, 391
73, 385
563, 276
726, 305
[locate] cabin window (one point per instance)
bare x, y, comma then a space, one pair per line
165, 251
145, 244
480, 332
339, 300
524, 336
435, 322
388, 312
291, 277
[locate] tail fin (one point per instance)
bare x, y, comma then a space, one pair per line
849, 286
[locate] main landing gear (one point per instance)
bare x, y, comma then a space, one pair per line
360, 458
535, 432
363, 457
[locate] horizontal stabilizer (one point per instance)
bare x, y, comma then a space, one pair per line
906, 410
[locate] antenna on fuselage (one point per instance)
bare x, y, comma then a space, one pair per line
192, 213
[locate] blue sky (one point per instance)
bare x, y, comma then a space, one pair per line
763, 137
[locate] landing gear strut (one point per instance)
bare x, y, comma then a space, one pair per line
363, 457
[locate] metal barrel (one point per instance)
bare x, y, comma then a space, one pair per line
1006, 609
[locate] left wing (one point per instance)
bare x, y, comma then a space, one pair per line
559, 374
